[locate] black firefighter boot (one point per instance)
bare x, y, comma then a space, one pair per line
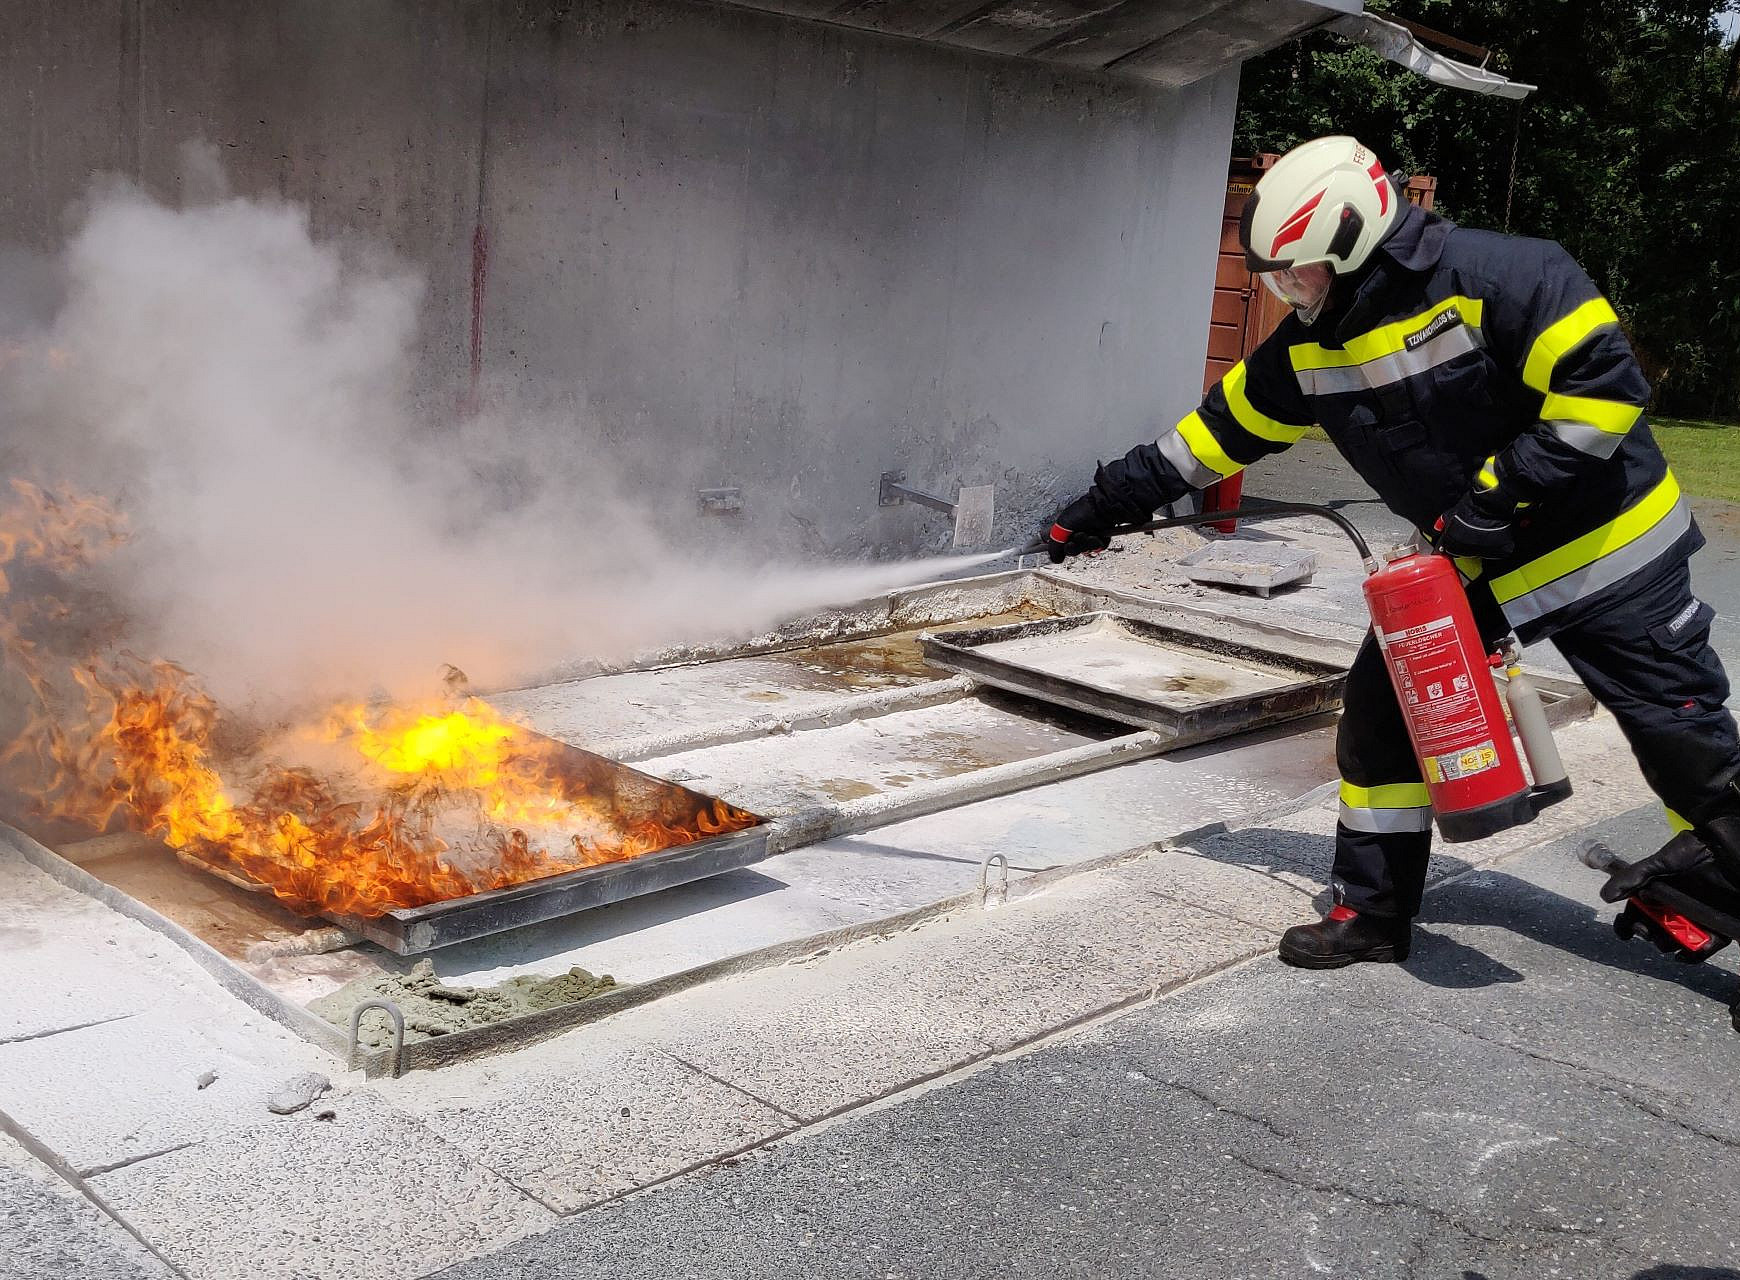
1345, 936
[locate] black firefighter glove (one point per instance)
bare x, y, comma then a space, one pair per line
1077, 528
1482, 525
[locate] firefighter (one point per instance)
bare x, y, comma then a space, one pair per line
1482, 386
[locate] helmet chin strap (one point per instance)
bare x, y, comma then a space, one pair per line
1308, 315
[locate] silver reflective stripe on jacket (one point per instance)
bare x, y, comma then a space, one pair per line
1388, 369
1619, 563
1176, 450
1587, 439
1385, 821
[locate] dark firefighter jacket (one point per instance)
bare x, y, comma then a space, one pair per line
1463, 358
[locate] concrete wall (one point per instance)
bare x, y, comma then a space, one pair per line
742, 249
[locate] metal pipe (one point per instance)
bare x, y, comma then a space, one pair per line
825, 822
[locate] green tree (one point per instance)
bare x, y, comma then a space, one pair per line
1628, 154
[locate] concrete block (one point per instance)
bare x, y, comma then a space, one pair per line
591, 1118
878, 1016
369, 1195
111, 1093
1261, 567
48, 1231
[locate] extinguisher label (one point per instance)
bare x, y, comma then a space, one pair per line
1462, 764
1434, 680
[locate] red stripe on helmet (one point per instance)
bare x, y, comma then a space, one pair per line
1294, 227
1383, 187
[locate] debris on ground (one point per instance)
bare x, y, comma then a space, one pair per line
296, 1093
433, 1007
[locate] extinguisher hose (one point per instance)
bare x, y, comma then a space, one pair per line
1266, 511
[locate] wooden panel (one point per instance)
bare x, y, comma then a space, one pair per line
1224, 343
1230, 273
1229, 307
1217, 369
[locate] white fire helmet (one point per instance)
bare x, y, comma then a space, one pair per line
1326, 201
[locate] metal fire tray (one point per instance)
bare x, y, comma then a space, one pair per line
1190, 687
410, 930
637, 796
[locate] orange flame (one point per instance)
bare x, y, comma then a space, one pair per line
460, 800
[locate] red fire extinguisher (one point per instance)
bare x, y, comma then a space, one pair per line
1443, 680
1442, 674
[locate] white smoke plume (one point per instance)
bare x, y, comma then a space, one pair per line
300, 530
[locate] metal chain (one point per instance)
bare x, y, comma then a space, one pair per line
1515, 146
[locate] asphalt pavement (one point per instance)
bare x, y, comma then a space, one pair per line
1525, 1097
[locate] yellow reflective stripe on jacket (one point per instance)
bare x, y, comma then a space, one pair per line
1206, 449
1384, 340
1390, 795
1248, 416
1676, 824
1560, 338
1579, 553
1487, 476
1611, 416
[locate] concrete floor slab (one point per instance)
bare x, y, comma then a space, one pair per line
48, 1231
53, 943
1273, 1123
590, 1120
103, 1095
882, 1015
51, 984
1271, 898
370, 1194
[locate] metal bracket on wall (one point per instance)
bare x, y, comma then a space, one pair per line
718, 502
972, 511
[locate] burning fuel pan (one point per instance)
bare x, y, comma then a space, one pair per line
1190, 687
633, 802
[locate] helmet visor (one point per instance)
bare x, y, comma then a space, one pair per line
1305, 293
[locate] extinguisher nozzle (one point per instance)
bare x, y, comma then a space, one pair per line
1598, 857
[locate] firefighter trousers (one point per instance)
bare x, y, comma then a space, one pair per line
1646, 658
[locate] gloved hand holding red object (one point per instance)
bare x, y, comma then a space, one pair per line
1077, 528
1482, 525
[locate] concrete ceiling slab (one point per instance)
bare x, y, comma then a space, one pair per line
1173, 42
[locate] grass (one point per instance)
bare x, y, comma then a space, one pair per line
1704, 455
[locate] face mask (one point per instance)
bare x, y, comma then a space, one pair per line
1306, 295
